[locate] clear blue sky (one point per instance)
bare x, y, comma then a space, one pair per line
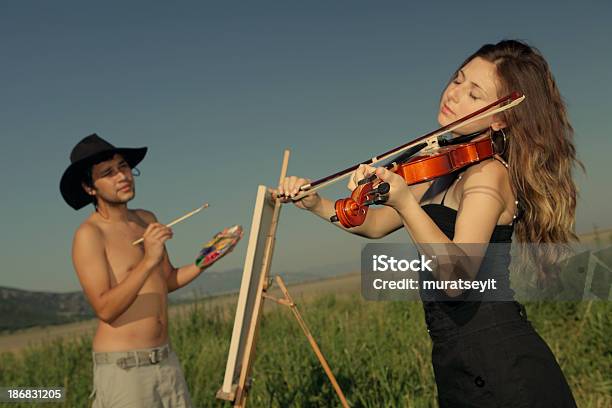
216, 90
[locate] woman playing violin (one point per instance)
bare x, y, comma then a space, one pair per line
486, 353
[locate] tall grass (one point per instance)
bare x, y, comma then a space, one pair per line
379, 352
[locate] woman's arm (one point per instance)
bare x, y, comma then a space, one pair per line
481, 204
380, 221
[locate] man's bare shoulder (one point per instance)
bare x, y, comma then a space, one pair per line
144, 215
88, 231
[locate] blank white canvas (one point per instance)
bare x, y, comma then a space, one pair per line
253, 265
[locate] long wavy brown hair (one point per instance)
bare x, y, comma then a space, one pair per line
540, 152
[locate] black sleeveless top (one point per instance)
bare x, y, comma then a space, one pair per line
495, 264
445, 218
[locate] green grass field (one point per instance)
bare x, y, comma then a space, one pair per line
379, 351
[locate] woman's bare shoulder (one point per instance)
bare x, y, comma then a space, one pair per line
490, 173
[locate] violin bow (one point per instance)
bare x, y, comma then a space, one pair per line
431, 139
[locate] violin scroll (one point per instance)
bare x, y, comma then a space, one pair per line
352, 211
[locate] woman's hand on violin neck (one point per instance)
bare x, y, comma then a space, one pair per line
290, 187
359, 174
399, 192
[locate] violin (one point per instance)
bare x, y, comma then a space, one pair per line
438, 156
352, 211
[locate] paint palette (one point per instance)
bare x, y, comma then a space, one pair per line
222, 243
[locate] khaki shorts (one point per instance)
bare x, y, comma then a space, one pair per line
142, 382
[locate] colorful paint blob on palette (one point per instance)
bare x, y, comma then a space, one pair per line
221, 244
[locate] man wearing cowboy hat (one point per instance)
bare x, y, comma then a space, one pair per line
126, 285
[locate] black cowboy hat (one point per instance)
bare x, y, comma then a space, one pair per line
86, 152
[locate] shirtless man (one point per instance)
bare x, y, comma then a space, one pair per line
127, 285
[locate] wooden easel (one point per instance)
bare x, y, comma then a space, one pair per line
239, 392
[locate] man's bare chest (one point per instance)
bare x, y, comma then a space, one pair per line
122, 256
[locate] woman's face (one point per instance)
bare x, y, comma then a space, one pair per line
474, 87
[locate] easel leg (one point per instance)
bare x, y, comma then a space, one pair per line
288, 301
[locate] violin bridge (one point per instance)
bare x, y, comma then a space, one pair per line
432, 143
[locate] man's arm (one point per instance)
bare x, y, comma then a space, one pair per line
180, 277
89, 259
175, 277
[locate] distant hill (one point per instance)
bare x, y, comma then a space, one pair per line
599, 237
21, 308
221, 282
